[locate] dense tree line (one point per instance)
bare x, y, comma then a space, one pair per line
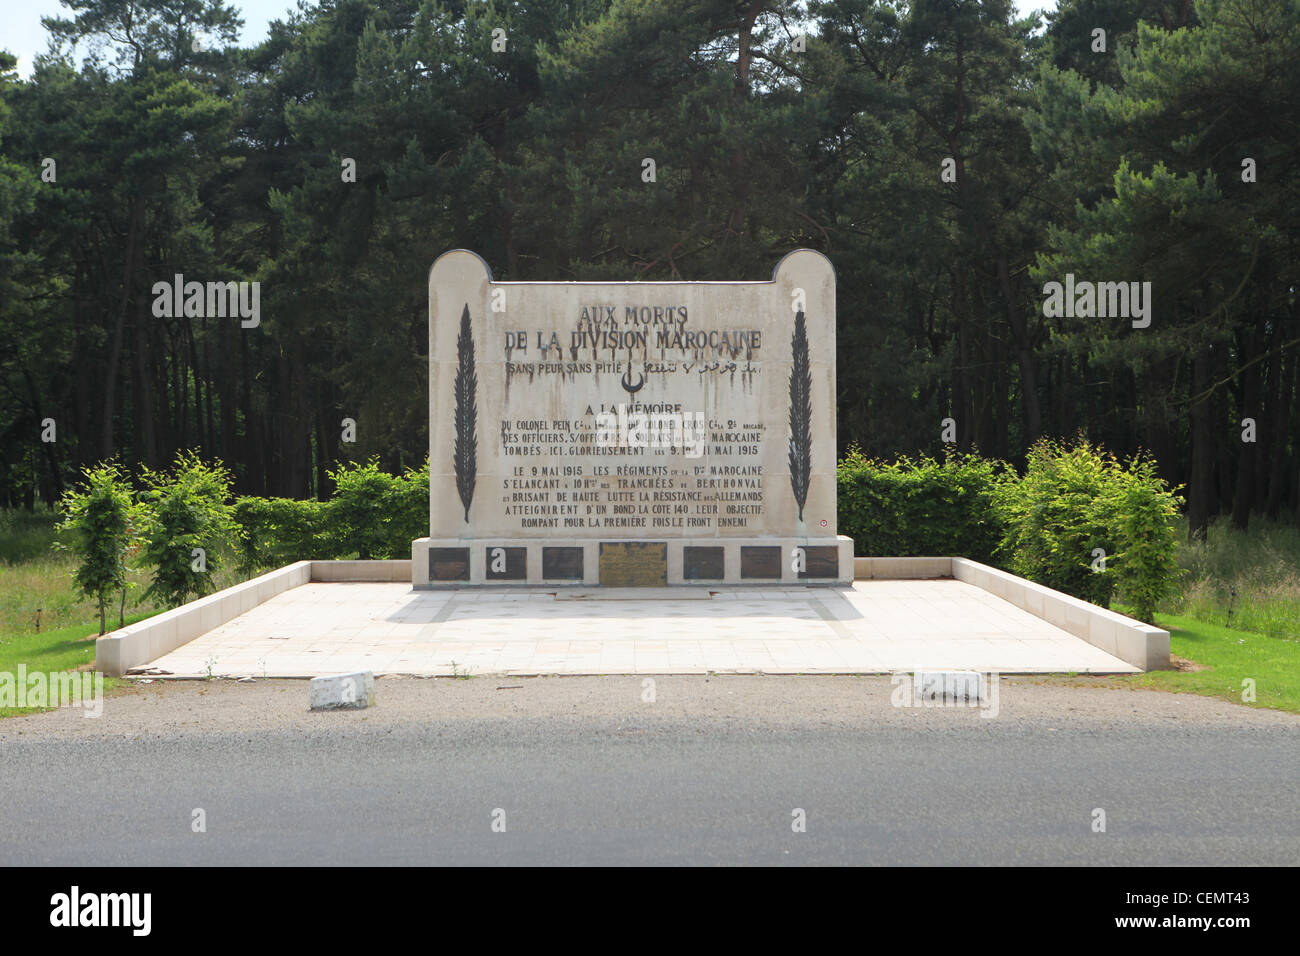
949, 157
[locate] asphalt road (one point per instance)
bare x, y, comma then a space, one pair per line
645, 787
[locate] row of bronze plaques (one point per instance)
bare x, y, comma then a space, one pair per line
632, 563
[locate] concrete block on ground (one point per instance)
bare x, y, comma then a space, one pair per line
959, 686
343, 691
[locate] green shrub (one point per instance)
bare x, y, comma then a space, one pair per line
411, 516
183, 512
279, 531
378, 515
1057, 515
372, 515
96, 525
1146, 564
1074, 500
922, 507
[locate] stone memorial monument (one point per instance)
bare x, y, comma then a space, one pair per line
631, 433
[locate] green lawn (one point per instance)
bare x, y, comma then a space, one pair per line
36, 591
62, 649
1236, 615
36, 586
1228, 657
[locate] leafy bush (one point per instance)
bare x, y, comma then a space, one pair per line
922, 507
1148, 540
279, 531
372, 515
411, 509
1057, 515
375, 514
1076, 499
184, 511
1044, 526
96, 525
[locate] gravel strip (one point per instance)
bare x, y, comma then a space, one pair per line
167, 708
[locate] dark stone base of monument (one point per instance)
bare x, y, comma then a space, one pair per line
507, 564
760, 562
634, 564
821, 561
449, 564
703, 563
562, 564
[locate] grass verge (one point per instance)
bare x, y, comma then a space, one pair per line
62, 649
1216, 661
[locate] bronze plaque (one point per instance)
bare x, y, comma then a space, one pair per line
702, 563
449, 564
634, 564
562, 564
760, 562
821, 561
507, 564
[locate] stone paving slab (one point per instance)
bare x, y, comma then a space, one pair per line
871, 627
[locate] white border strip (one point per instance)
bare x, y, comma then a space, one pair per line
147, 640
1131, 641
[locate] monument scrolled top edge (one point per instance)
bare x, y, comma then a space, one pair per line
458, 253
487, 269
794, 252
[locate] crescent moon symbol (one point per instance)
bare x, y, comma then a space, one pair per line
627, 382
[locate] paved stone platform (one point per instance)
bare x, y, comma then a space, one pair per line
869, 627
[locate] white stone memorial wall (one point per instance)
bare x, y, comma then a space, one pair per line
590, 432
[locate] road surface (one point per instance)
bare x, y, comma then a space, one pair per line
588, 771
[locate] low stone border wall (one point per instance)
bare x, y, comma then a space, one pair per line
397, 571
867, 569
147, 640
1131, 641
